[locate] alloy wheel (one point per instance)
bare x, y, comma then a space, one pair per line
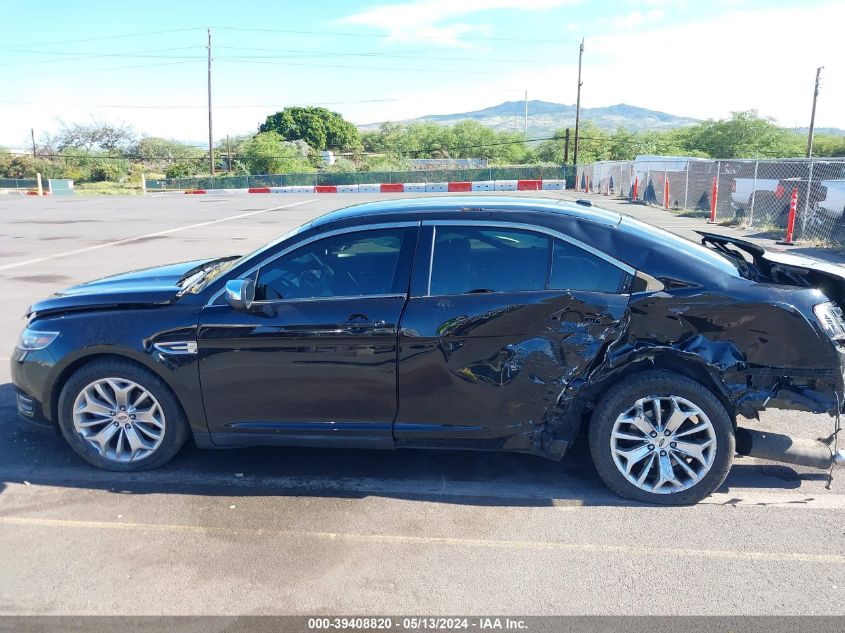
663, 444
121, 419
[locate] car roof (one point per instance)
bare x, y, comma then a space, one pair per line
457, 204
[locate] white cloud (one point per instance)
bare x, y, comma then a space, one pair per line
705, 69
423, 20
637, 18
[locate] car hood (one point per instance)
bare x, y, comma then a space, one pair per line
149, 286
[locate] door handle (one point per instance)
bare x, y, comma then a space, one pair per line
360, 323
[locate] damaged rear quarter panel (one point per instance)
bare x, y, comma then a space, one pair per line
757, 352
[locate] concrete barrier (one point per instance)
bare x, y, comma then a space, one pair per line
435, 187
553, 185
505, 185
484, 185
371, 188
414, 187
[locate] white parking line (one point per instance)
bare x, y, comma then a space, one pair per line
148, 235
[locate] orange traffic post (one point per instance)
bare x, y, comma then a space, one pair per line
666, 193
714, 195
790, 221
636, 188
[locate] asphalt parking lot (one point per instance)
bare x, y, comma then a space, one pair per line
260, 531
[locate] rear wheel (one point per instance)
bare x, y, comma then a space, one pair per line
119, 416
663, 438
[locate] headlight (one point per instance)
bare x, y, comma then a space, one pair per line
830, 316
31, 340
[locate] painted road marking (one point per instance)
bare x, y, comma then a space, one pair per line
402, 539
128, 240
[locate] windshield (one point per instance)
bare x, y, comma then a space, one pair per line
200, 279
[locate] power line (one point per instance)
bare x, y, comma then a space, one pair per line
112, 37
347, 67
97, 70
74, 57
423, 54
382, 35
300, 103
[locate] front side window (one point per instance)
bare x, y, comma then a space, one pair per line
474, 260
347, 265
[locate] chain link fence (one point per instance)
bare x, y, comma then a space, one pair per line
749, 193
367, 177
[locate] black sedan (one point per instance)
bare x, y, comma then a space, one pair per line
455, 322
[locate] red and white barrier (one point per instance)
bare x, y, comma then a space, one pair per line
408, 187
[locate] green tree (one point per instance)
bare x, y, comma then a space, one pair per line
593, 145
153, 149
319, 127
268, 153
743, 135
828, 145
93, 136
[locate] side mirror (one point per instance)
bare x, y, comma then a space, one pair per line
240, 293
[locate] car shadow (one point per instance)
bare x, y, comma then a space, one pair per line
38, 457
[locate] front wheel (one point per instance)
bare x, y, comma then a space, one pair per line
662, 438
119, 416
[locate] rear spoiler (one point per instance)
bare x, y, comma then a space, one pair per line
784, 267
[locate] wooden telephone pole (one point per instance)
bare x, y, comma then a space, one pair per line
210, 133
578, 104
813, 115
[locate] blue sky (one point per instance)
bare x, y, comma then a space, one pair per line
144, 63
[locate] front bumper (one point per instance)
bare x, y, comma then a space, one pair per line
29, 409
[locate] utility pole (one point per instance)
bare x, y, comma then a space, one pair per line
813, 115
578, 103
32, 135
525, 127
229, 153
210, 133
566, 147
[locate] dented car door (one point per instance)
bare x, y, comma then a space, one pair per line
503, 322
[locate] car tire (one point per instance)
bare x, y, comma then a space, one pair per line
152, 431
631, 465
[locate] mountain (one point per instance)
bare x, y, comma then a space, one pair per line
544, 117
833, 131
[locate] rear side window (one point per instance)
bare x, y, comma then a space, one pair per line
574, 268
470, 260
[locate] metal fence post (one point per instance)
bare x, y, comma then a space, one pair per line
753, 195
807, 201
716, 197
686, 184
